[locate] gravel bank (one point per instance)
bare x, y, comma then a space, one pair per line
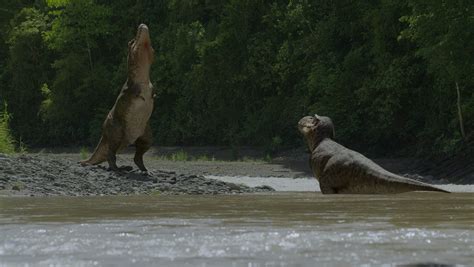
43, 175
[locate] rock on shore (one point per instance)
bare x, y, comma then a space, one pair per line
38, 175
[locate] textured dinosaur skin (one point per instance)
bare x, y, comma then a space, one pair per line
340, 170
127, 122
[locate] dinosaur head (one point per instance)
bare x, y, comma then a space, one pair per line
140, 55
315, 129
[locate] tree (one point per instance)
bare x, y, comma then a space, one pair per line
79, 36
27, 69
442, 31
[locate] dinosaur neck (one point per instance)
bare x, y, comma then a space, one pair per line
313, 143
140, 75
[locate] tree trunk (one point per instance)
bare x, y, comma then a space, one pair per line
90, 55
461, 122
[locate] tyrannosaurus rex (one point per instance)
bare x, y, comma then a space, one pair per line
127, 122
340, 170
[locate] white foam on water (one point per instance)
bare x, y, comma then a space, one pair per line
457, 188
277, 183
308, 184
167, 243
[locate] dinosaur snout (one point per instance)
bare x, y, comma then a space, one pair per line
142, 27
306, 123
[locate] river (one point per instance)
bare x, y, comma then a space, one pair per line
279, 229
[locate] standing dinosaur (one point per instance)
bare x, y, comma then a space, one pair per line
127, 122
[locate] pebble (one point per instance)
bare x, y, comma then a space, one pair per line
41, 176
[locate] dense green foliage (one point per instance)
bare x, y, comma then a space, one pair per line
241, 72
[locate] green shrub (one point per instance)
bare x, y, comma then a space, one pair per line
7, 144
179, 156
84, 152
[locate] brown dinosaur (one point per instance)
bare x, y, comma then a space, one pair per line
127, 122
340, 170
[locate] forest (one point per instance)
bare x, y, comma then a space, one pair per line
396, 76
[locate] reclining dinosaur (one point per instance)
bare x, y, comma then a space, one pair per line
340, 170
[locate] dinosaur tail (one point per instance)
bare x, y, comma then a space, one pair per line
426, 187
100, 154
419, 186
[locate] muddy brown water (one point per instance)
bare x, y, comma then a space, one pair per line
280, 229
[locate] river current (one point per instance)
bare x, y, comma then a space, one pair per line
279, 229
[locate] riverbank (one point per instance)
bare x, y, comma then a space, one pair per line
56, 175
175, 170
290, 163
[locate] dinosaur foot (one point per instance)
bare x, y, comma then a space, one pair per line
146, 173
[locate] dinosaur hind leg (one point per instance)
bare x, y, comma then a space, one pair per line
114, 146
142, 145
